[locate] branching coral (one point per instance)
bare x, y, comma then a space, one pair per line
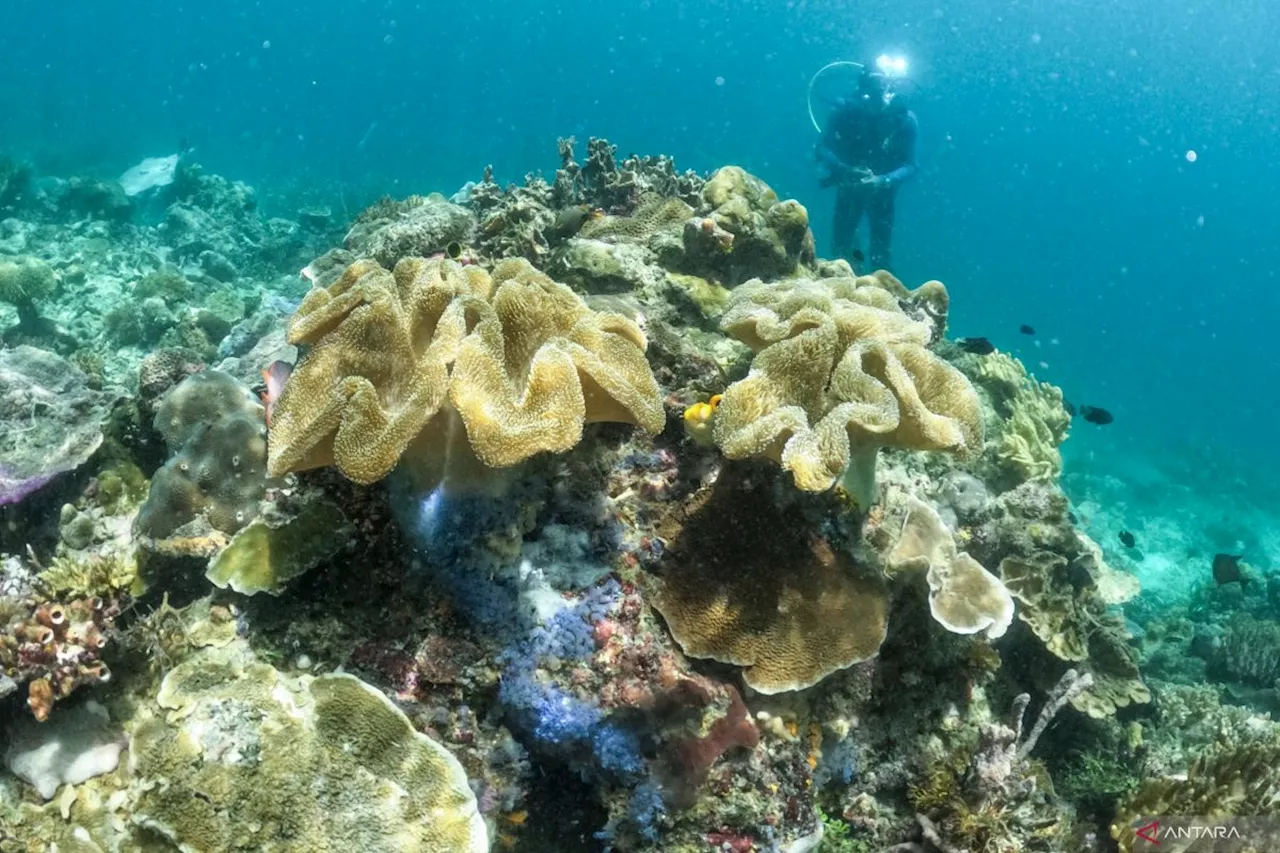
1234, 781
745, 582
963, 596
840, 371
403, 361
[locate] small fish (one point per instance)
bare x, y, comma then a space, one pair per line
697, 420
977, 346
570, 220
1127, 538
1226, 569
1027, 330
858, 255
1071, 516
1096, 415
274, 376
1069, 406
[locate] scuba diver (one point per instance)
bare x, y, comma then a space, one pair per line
868, 148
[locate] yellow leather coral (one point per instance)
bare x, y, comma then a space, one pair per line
393, 358
745, 582
841, 371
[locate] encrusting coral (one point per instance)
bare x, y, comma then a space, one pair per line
335, 765
394, 359
964, 597
840, 371
745, 582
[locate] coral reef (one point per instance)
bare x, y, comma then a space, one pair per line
777, 623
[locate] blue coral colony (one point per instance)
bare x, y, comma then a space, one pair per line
597, 513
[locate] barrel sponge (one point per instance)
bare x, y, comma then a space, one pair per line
745, 582
25, 280
239, 756
518, 357
840, 372
540, 364
963, 596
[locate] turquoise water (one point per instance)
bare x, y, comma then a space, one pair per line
1055, 187
1104, 173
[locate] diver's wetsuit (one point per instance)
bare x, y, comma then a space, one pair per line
882, 140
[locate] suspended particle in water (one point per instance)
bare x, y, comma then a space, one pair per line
1191, 155
1200, 221
387, 39
719, 81
266, 45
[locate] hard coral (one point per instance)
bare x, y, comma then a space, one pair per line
237, 753
770, 238
745, 582
24, 282
395, 358
840, 371
214, 428
390, 231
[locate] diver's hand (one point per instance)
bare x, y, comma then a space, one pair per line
874, 182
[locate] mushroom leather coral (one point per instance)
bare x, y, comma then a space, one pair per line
389, 352
840, 372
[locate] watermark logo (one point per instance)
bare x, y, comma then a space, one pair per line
1150, 832
1205, 834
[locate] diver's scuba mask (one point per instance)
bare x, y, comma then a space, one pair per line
889, 70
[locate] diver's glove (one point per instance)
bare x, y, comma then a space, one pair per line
875, 182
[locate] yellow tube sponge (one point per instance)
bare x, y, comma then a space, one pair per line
964, 597
395, 359
841, 371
